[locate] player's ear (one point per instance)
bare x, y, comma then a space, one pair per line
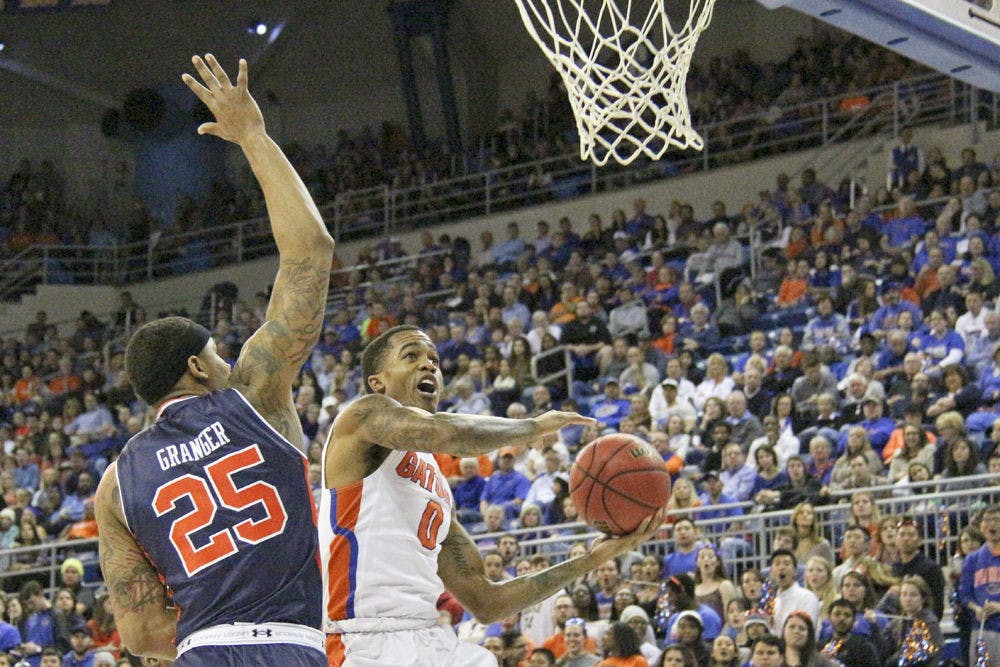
196, 367
375, 383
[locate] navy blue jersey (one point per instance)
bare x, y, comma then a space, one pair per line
221, 504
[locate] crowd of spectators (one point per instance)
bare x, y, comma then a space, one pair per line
34, 210
864, 353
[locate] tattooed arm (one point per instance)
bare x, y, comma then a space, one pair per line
272, 357
377, 420
146, 625
460, 567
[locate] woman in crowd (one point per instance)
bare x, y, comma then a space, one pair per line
769, 476
10, 635
725, 653
751, 585
714, 412
918, 624
857, 444
799, 636
736, 617
819, 581
783, 409
64, 618
960, 395
504, 390
864, 512
916, 447
888, 553
682, 497
712, 588
681, 442
530, 516
621, 647
962, 460
858, 589
801, 487
677, 656
809, 540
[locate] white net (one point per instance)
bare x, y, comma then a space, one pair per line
624, 67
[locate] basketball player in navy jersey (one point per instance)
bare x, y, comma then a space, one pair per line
208, 534
389, 537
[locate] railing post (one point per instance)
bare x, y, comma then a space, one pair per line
387, 211
593, 178
149, 260
486, 188
895, 109
240, 239
824, 115
45, 265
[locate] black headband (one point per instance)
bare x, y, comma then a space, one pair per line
167, 367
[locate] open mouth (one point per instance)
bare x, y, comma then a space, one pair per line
427, 387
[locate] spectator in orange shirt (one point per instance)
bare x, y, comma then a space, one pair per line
378, 322
565, 309
27, 386
565, 612
795, 285
65, 381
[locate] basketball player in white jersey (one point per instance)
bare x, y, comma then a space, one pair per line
389, 539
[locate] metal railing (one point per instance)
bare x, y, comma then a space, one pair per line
383, 210
566, 372
940, 509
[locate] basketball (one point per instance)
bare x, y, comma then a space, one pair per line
617, 481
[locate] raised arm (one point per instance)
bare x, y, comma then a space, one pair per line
275, 353
460, 567
378, 420
140, 600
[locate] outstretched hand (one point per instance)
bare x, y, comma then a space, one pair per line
608, 547
237, 116
553, 420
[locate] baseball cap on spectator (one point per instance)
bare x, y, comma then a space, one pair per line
104, 659
633, 611
669, 382
620, 235
889, 285
609, 381
871, 397
80, 628
71, 564
508, 451
8, 513
711, 474
757, 618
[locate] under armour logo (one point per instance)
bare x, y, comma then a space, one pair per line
261, 633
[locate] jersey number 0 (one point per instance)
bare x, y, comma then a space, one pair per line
220, 544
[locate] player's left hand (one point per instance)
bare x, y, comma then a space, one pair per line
237, 116
608, 547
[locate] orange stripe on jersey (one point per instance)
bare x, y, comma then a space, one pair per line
334, 650
345, 506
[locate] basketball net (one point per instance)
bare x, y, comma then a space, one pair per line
624, 73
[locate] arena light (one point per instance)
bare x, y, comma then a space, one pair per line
258, 28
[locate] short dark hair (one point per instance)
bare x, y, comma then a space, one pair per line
508, 637
841, 602
770, 640
858, 527
626, 641
157, 355
374, 354
785, 552
549, 655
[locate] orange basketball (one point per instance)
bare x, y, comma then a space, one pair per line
617, 481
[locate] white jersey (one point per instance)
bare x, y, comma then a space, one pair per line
379, 540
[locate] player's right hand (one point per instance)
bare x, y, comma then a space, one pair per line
237, 116
553, 420
609, 547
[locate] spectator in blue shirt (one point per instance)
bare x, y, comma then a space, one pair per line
684, 556
505, 487
731, 548
892, 305
506, 253
26, 473
900, 231
610, 410
941, 346
877, 427
467, 491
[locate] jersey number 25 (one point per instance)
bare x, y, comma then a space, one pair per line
220, 544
